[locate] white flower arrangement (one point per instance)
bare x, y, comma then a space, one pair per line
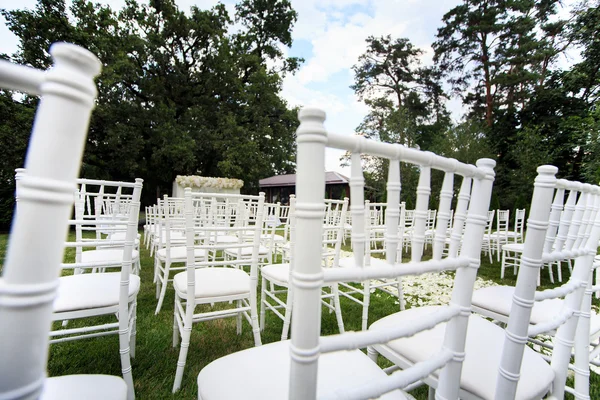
208, 182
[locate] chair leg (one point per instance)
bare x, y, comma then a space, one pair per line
288, 314
263, 306
254, 315
338, 308
175, 324
431, 394
400, 294
372, 353
183, 350
156, 261
498, 250
550, 272
239, 319
163, 287
503, 264
366, 301
559, 265
124, 349
133, 329
597, 281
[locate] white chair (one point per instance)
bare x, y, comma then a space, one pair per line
500, 235
310, 366
276, 277
511, 252
168, 206
84, 296
209, 281
488, 246
516, 235
170, 245
496, 361
109, 201
267, 237
549, 308
35, 251
361, 295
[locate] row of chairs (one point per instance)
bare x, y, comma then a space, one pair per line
452, 339
453, 351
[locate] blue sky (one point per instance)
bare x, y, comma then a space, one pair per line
330, 35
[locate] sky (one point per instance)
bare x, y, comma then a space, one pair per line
330, 35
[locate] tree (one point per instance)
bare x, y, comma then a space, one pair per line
390, 79
406, 103
178, 94
494, 51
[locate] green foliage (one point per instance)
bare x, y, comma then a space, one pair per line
15, 124
500, 58
178, 94
406, 105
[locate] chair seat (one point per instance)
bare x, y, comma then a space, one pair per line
480, 367
84, 291
498, 299
108, 256
122, 236
268, 376
89, 387
179, 253
215, 282
276, 238
279, 273
514, 247
175, 236
348, 262
247, 251
223, 239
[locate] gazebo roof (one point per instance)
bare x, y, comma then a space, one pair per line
331, 178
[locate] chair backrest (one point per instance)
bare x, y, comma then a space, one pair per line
519, 224
125, 221
309, 277
565, 235
502, 221
431, 214
35, 251
333, 231
206, 224
490, 221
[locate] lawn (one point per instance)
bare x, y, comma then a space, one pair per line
155, 362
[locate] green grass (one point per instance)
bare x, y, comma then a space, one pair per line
155, 362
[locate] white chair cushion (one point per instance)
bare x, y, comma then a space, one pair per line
175, 236
247, 251
85, 291
348, 262
122, 236
108, 256
276, 272
222, 239
215, 282
89, 387
483, 352
179, 253
498, 299
267, 369
279, 239
514, 247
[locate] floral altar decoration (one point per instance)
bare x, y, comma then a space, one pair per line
206, 184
